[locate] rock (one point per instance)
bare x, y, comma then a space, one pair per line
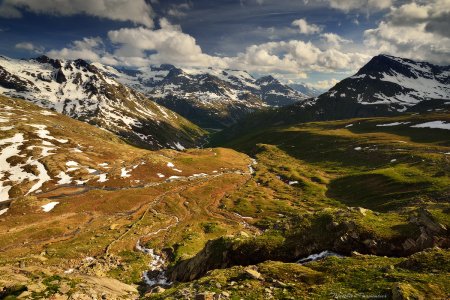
244, 234
279, 284
409, 244
426, 219
362, 211
370, 243
64, 288
253, 274
113, 226
158, 290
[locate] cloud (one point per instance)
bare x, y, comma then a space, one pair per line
87, 48
137, 11
27, 46
333, 40
435, 13
361, 5
306, 28
323, 84
295, 56
415, 31
167, 44
141, 46
179, 10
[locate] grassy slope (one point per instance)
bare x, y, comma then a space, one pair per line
393, 171
115, 213
37, 247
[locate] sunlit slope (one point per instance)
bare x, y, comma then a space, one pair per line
76, 200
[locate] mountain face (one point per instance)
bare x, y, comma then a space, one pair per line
393, 84
78, 89
211, 98
385, 86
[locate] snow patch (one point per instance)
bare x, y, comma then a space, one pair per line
392, 124
64, 178
434, 125
49, 206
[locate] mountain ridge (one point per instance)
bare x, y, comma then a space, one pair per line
78, 89
209, 97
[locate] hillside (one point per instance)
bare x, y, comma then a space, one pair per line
211, 98
79, 90
75, 200
371, 190
86, 214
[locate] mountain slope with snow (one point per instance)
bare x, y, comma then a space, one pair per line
385, 86
78, 89
211, 98
393, 84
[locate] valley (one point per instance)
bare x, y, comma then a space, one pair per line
107, 219
106, 193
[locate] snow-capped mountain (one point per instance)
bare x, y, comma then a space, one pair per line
275, 93
385, 86
211, 98
78, 89
393, 84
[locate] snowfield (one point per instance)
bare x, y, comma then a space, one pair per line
433, 124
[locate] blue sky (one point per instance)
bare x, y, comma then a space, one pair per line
317, 42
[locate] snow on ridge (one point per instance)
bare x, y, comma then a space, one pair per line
434, 125
392, 124
45, 134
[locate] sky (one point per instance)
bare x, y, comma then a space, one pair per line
316, 42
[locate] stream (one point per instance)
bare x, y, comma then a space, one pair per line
156, 276
317, 256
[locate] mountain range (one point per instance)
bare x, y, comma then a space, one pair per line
211, 98
167, 106
78, 89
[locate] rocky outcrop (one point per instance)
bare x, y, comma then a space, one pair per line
342, 237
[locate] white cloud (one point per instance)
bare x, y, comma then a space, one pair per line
27, 46
142, 46
362, 5
334, 40
137, 11
88, 49
305, 27
169, 42
296, 55
323, 84
178, 10
415, 31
